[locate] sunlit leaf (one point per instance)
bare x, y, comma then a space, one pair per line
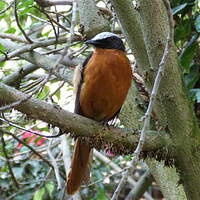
197, 24
39, 194
179, 8
25, 3
196, 93
50, 188
11, 30
2, 5
101, 195
191, 78
44, 92
186, 58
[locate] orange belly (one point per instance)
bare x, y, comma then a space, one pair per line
106, 81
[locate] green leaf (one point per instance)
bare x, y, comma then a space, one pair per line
186, 57
183, 30
43, 94
2, 48
192, 77
25, 4
50, 188
58, 94
39, 194
2, 5
101, 195
11, 30
179, 8
197, 24
196, 93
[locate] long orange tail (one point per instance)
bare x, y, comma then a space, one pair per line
80, 167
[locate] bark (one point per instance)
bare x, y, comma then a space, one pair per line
91, 19
173, 108
129, 20
142, 185
80, 126
15, 78
167, 179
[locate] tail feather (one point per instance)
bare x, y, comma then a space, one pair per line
80, 167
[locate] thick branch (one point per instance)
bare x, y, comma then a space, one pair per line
173, 108
91, 19
127, 14
129, 20
123, 140
14, 79
142, 185
48, 3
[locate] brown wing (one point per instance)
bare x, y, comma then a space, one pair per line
78, 80
106, 81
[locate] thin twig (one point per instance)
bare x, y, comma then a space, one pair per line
7, 8
20, 191
31, 47
7, 159
30, 131
73, 21
57, 89
55, 166
77, 52
4, 53
154, 92
19, 25
51, 20
12, 37
66, 154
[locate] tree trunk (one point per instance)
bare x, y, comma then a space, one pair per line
173, 109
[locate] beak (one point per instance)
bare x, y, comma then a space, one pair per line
89, 42
93, 42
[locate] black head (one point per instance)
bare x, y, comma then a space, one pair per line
107, 40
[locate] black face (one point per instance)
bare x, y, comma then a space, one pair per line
112, 42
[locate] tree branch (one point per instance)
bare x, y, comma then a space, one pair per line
14, 79
13, 37
61, 72
91, 19
27, 48
123, 140
48, 3
129, 20
142, 185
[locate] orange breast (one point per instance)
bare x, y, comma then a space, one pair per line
106, 80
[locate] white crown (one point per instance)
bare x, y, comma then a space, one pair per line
104, 35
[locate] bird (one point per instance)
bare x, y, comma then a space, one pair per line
101, 86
